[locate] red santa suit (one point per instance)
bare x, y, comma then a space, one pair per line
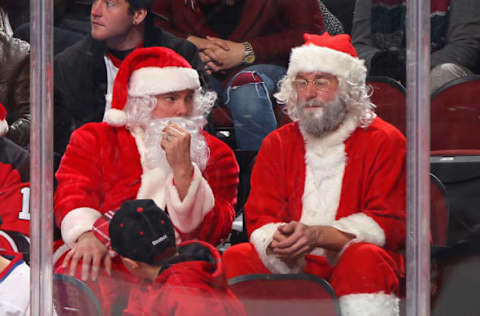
103, 166
191, 284
352, 179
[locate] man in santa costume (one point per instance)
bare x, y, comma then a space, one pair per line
328, 190
151, 146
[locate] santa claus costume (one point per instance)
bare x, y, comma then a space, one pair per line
105, 163
352, 178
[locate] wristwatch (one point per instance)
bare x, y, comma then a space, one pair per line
249, 55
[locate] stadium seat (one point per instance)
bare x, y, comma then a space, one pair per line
285, 294
389, 97
72, 297
439, 212
455, 115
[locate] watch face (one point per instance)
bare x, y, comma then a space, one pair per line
249, 58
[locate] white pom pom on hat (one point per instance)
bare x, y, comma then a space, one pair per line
149, 71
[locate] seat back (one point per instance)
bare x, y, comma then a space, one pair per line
285, 294
72, 297
455, 115
439, 212
16, 242
389, 97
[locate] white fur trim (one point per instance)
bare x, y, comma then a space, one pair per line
363, 227
187, 214
76, 222
313, 58
3, 127
115, 117
325, 162
156, 80
261, 239
372, 304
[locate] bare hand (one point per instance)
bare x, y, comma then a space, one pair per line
217, 58
176, 144
203, 43
91, 252
293, 240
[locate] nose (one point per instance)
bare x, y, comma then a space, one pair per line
310, 91
96, 9
181, 108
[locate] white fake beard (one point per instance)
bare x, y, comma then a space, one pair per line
326, 117
155, 155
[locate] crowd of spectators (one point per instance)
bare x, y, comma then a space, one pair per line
134, 84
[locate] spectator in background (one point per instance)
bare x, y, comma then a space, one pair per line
245, 45
174, 281
15, 87
328, 190
84, 73
14, 183
379, 37
151, 147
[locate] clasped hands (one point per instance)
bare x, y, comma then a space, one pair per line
218, 54
294, 240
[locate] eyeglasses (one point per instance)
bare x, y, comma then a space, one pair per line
318, 84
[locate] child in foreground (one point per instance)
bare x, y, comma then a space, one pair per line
187, 279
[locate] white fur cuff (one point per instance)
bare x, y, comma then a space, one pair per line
372, 304
76, 222
363, 227
186, 215
261, 239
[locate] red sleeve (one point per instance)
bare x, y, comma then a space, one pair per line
385, 198
297, 17
79, 173
221, 174
163, 16
269, 197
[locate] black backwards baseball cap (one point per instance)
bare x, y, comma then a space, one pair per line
142, 231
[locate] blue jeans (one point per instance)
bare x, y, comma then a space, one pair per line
251, 104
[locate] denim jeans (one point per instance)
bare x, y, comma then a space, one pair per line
251, 104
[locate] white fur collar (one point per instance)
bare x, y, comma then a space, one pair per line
325, 162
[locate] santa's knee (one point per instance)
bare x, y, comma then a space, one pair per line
365, 268
242, 259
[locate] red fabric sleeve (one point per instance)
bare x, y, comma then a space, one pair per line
297, 18
79, 176
221, 174
270, 199
384, 196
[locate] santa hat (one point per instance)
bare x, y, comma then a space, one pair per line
149, 71
3, 121
330, 54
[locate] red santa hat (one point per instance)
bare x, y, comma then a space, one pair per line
330, 54
149, 71
3, 121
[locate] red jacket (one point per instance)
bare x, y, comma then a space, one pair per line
101, 169
365, 198
272, 27
192, 286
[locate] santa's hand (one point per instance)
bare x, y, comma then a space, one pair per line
299, 240
176, 144
91, 252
